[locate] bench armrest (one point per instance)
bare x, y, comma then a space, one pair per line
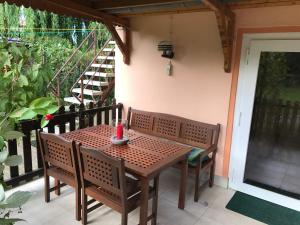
209, 150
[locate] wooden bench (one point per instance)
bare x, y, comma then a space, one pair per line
197, 134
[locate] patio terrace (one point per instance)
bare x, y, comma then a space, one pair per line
61, 209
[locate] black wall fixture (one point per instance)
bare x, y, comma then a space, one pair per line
167, 48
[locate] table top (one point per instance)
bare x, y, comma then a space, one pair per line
144, 155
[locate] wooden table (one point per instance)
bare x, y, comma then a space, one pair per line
145, 157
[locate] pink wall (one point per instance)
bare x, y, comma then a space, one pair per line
199, 88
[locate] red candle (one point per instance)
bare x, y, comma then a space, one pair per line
119, 131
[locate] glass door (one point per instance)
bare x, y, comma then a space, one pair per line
266, 139
273, 155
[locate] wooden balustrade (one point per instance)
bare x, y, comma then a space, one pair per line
64, 121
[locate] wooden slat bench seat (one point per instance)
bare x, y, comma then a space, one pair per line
185, 131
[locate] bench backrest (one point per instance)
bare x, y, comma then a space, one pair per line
174, 128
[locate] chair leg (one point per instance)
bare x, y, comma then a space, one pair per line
47, 188
57, 185
84, 207
78, 203
212, 173
155, 201
197, 180
124, 218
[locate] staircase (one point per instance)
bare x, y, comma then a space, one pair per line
97, 77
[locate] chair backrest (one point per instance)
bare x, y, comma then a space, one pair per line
57, 151
175, 128
102, 170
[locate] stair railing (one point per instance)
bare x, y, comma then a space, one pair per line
56, 82
83, 86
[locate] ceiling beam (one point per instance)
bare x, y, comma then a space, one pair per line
71, 8
226, 25
124, 46
218, 7
108, 4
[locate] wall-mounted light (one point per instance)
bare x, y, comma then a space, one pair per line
167, 48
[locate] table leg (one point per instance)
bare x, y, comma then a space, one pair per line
183, 180
144, 201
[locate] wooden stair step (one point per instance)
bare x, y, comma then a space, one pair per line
104, 66
104, 57
74, 100
108, 50
95, 83
87, 91
112, 42
99, 74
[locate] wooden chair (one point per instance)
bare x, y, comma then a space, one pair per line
197, 134
103, 178
59, 157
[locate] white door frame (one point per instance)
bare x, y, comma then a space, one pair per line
252, 46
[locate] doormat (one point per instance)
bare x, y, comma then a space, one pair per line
263, 211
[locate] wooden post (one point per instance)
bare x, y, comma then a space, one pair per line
72, 120
114, 109
91, 115
106, 113
81, 116
13, 150
81, 90
99, 113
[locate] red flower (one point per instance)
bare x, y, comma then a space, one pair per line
49, 117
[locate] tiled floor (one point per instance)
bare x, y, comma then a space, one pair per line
61, 209
274, 165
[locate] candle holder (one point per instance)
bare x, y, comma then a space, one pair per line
118, 137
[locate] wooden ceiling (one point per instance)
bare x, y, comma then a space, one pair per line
116, 12
113, 9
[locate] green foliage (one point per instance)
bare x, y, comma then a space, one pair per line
14, 202
23, 75
41, 106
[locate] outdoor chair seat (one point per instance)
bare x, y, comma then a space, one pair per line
62, 175
132, 187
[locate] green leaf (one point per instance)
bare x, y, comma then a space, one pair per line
41, 103
2, 143
23, 81
20, 65
16, 50
13, 160
27, 115
10, 135
18, 113
52, 109
3, 155
6, 57
2, 193
16, 200
35, 71
9, 221
44, 122
5, 126
8, 74
40, 111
